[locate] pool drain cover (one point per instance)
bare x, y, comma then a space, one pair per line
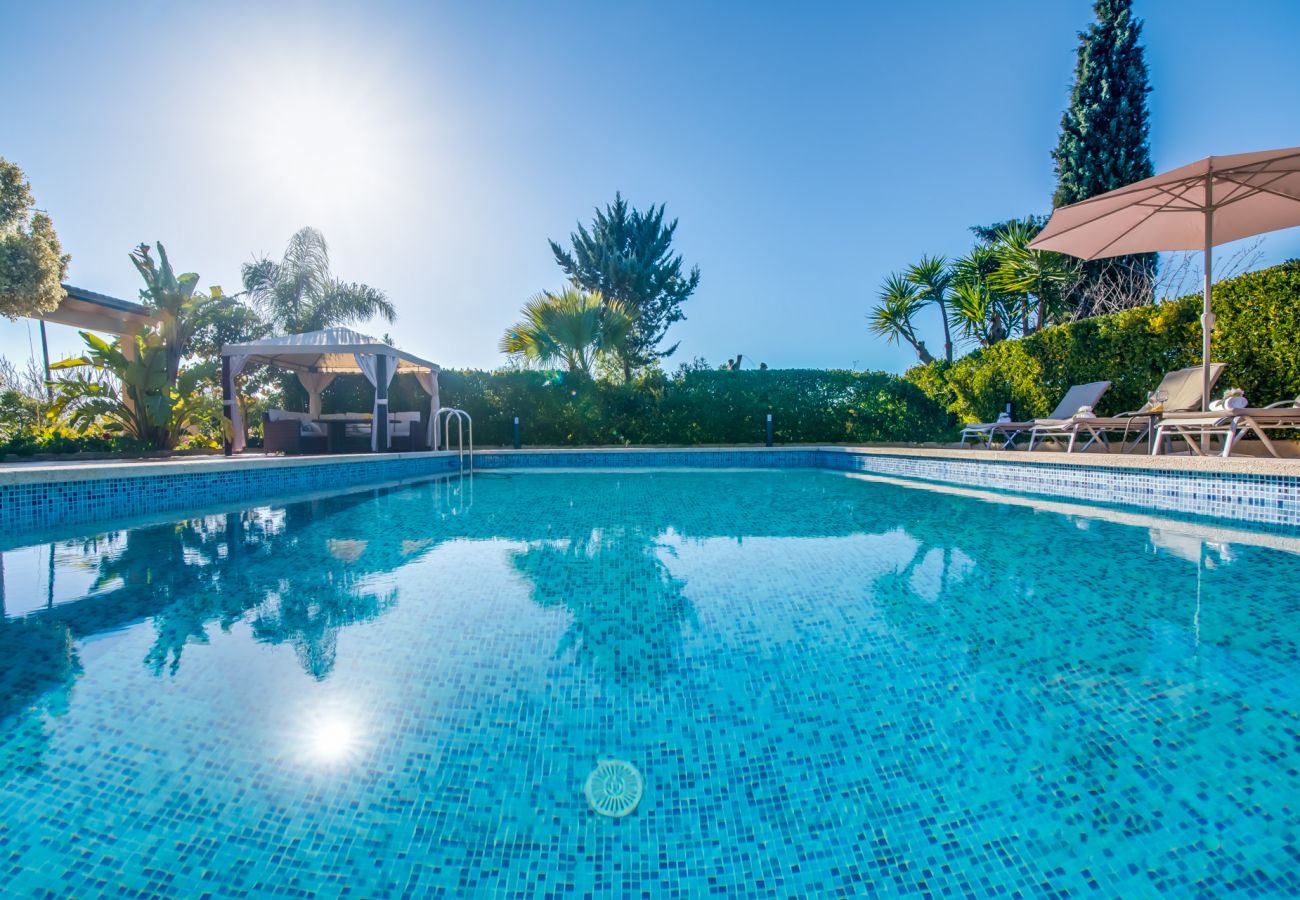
614, 788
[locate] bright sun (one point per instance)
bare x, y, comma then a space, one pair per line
317, 136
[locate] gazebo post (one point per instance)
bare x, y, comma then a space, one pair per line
227, 411
381, 403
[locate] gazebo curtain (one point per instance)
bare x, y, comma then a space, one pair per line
367, 363
237, 364
315, 382
429, 381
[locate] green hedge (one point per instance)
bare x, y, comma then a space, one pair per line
697, 407
1257, 334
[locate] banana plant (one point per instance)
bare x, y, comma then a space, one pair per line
132, 394
179, 310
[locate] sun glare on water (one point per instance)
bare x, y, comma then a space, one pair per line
330, 737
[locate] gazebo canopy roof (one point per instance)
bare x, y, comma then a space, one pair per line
331, 350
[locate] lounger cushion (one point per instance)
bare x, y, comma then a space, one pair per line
306, 427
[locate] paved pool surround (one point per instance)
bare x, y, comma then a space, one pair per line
1262, 493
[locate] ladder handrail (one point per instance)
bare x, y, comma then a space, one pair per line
462, 418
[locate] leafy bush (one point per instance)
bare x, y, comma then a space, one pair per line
1257, 329
135, 395
696, 407
1257, 332
58, 439
18, 412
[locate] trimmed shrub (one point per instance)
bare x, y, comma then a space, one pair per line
697, 407
808, 406
1257, 334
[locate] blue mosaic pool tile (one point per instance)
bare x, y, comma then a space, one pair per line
1267, 501
1262, 500
35, 506
637, 459
833, 687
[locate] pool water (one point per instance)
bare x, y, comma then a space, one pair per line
829, 685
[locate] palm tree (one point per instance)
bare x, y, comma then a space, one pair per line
572, 329
933, 279
1045, 275
900, 300
299, 293
980, 312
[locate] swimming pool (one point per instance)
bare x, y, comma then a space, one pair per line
829, 684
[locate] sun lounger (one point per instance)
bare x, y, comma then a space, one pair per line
1181, 388
1231, 424
1077, 397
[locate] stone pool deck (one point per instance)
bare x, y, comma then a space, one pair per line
30, 471
1259, 492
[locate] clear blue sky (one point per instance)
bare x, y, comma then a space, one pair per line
807, 149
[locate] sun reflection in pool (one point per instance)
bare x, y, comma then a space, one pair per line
331, 737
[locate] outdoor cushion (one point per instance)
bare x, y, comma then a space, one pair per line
306, 427
404, 422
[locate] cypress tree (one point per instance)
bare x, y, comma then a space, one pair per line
1103, 143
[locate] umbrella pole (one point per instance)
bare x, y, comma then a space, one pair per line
1207, 315
1207, 328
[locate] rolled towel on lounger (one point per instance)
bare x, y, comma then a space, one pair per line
1085, 412
1004, 417
1235, 398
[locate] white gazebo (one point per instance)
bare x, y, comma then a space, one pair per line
317, 357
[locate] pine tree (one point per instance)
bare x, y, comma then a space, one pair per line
1103, 143
627, 256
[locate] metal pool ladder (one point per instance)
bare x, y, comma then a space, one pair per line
462, 419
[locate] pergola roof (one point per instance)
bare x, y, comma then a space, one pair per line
99, 312
331, 350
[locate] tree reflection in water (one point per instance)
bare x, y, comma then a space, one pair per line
282, 566
38, 668
286, 570
628, 611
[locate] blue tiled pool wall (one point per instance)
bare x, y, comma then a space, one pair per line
25, 507
806, 458
1268, 500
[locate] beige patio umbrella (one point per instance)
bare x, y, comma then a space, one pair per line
1213, 201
